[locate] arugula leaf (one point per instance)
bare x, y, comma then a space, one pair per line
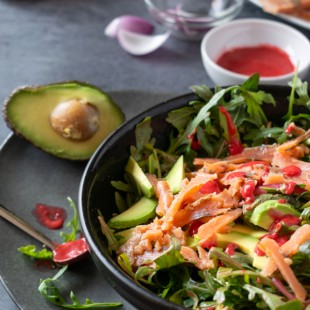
275, 302
202, 115
171, 257
112, 242
205, 141
122, 186
301, 261
301, 89
202, 91
73, 224
143, 133
124, 262
259, 135
143, 272
179, 118
30, 250
52, 294
305, 216
252, 82
293, 84
226, 259
254, 100
120, 202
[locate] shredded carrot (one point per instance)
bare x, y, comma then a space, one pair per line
301, 235
217, 224
164, 196
271, 248
186, 192
202, 261
289, 248
292, 143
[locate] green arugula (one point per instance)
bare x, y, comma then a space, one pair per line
73, 224
201, 117
234, 282
203, 114
301, 262
31, 251
274, 302
112, 242
52, 294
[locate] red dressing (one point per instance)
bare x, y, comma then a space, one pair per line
210, 187
275, 228
49, 216
291, 171
247, 191
267, 60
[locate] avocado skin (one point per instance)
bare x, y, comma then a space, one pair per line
70, 153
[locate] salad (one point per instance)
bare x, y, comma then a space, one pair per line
220, 219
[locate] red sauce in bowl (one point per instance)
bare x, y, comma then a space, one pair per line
267, 60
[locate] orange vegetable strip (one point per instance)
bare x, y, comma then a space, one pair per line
186, 192
289, 248
292, 143
271, 248
301, 235
164, 196
217, 224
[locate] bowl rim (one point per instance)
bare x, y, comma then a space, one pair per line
121, 278
259, 21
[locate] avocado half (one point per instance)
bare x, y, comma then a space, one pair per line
66, 119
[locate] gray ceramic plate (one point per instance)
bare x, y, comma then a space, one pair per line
29, 176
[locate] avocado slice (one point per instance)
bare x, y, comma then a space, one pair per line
249, 231
139, 213
123, 236
138, 178
176, 175
246, 243
266, 213
66, 119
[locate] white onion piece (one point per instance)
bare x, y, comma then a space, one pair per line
140, 44
130, 23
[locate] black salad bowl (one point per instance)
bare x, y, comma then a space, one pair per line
107, 164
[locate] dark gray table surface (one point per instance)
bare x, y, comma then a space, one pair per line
45, 41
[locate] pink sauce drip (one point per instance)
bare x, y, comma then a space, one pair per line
50, 216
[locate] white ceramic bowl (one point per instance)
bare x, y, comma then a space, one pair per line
254, 32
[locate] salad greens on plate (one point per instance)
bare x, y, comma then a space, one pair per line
221, 218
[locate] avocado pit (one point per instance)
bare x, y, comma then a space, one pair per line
75, 119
